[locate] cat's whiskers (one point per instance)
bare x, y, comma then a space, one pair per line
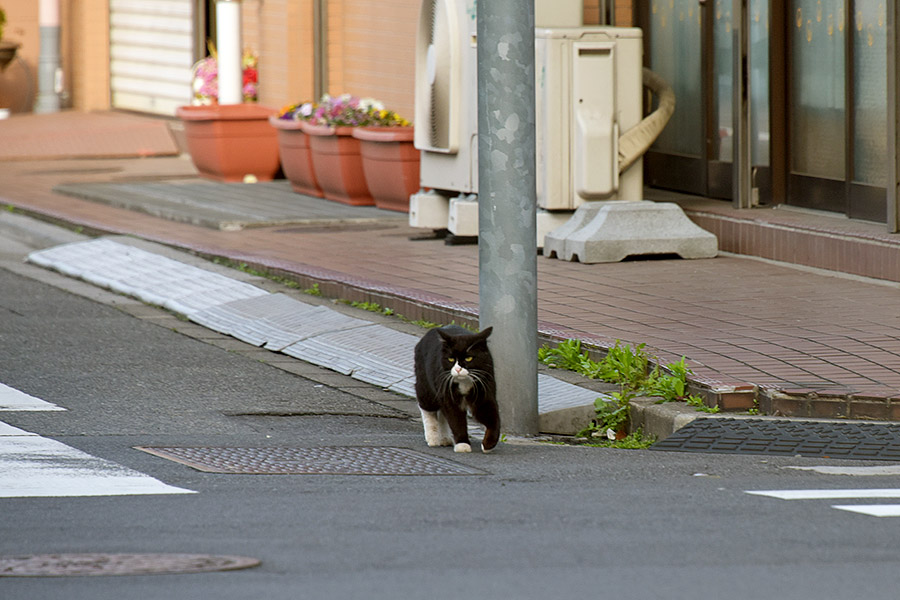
478, 377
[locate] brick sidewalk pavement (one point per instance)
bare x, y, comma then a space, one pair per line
830, 344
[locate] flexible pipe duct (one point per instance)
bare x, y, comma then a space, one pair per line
637, 140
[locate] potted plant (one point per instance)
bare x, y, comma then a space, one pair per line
294, 148
336, 156
229, 142
390, 160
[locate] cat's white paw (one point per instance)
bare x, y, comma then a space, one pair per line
462, 448
487, 450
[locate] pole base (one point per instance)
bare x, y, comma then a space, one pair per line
610, 231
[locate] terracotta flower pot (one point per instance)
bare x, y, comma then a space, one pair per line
296, 156
338, 164
227, 142
390, 163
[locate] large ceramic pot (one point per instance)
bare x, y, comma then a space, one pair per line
296, 156
231, 142
390, 163
338, 164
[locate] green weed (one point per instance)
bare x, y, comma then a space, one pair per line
628, 367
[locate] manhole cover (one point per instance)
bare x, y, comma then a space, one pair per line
862, 441
71, 565
333, 460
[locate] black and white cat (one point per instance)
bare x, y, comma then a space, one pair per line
455, 374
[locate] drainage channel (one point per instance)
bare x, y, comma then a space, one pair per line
96, 564
329, 460
859, 441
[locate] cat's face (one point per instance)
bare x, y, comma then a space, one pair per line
464, 356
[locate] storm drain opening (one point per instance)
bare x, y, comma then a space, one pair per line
858, 441
331, 460
95, 564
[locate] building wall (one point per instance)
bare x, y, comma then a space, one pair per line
371, 50
625, 16
624, 12
281, 32
84, 46
371, 47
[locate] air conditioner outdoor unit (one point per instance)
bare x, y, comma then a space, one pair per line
578, 112
588, 92
446, 113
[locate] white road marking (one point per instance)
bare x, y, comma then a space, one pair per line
7, 429
872, 510
12, 399
855, 471
828, 494
34, 466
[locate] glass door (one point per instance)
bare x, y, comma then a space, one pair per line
674, 32
837, 107
691, 46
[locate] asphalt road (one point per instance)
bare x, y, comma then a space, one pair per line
541, 521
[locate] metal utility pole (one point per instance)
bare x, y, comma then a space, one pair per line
507, 252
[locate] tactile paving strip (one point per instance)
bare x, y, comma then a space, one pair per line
332, 460
860, 441
147, 276
274, 321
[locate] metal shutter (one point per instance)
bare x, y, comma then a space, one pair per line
151, 54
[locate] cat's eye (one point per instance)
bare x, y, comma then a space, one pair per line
451, 360
469, 358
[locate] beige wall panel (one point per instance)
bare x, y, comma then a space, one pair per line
334, 82
625, 13
251, 17
85, 49
285, 48
591, 11
372, 50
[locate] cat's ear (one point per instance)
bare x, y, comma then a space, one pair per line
481, 337
444, 335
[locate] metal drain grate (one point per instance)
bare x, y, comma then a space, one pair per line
333, 460
71, 565
861, 441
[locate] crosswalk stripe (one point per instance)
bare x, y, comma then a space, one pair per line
12, 399
827, 494
34, 466
873, 510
